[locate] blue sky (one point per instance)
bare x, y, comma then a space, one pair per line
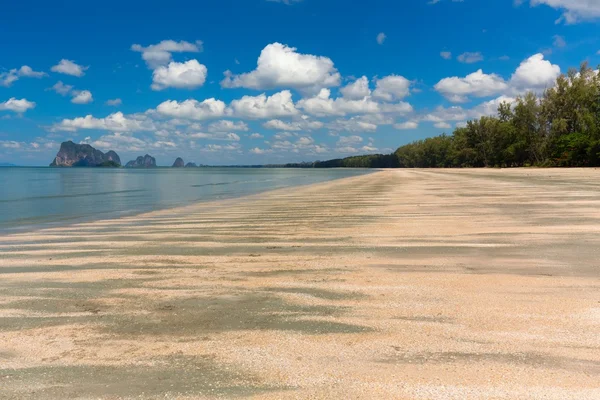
258, 81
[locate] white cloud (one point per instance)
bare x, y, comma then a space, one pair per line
286, 2
446, 55
393, 87
227, 126
535, 73
349, 140
303, 125
61, 88
256, 136
18, 106
116, 122
354, 124
122, 142
188, 75
442, 114
193, 109
257, 107
470, 58
559, 41
27, 71
323, 105
114, 102
228, 136
573, 10
457, 113
257, 150
381, 38
477, 84
407, 125
69, 67
281, 66
82, 97
357, 89
160, 54
13, 75
442, 125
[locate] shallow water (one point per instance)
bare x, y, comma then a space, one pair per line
34, 197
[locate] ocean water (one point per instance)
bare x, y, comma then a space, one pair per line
38, 197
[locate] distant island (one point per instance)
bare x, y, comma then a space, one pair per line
5, 164
146, 161
178, 163
83, 155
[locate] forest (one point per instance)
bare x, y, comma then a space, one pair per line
558, 128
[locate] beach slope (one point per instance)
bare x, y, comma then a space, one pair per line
403, 284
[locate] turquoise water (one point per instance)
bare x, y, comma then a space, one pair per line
34, 197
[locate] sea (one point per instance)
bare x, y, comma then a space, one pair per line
37, 197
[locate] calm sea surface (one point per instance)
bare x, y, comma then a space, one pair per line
33, 197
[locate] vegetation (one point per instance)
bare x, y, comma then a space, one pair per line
560, 128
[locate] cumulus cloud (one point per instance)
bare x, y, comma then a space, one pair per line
446, 55
406, 125
228, 136
357, 89
13, 75
535, 73
227, 126
61, 88
573, 10
114, 102
349, 140
354, 124
160, 54
69, 67
193, 109
470, 58
442, 125
457, 113
393, 87
257, 150
281, 66
187, 75
116, 122
263, 106
17, 105
323, 105
256, 136
82, 97
381, 38
477, 84
302, 125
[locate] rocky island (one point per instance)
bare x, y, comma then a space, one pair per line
178, 163
83, 155
191, 165
146, 161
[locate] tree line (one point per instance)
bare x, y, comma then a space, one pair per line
559, 128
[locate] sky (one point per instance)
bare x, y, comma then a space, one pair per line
225, 82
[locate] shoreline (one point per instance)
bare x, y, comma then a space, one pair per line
109, 215
406, 284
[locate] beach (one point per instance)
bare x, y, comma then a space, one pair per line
400, 284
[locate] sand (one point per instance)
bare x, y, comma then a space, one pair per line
401, 284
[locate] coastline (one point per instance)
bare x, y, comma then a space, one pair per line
20, 226
400, 284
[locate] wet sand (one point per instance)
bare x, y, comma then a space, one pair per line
403, 284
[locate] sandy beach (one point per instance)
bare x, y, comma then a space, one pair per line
401, 284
